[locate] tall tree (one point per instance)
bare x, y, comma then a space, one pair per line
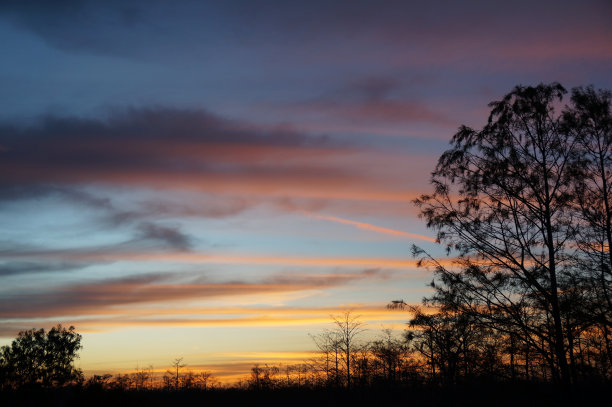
177, 364
589, 120
348, 327
328, 343
502, 202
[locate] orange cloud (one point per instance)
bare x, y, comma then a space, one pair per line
131, 315
96, 297
372, 228
220, 258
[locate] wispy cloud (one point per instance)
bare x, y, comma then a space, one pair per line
20, 268
175, 149
370, 100
104, 254
372, 228
163, 314
88, 298
171, 236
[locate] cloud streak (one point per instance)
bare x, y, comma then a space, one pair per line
177, 149
372, 100
185, 316
203, 258
20, 268
372, 228
95, 297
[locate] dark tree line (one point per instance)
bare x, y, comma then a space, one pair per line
344, 359
45, 360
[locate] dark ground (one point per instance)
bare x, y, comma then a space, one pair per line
518, 395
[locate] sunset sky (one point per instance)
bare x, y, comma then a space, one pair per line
212, 180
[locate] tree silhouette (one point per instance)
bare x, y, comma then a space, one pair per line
590, 122
205, 379
141, 376
390, 353
511, 200
328, 343
176, 364
263, 377
348, 326
42, 358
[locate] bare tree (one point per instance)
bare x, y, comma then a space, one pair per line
348, 327
141, 376
98, 381
189, 380
176, 364
205, 379
263, 377
328, 343
121, 382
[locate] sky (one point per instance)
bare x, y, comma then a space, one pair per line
212, 180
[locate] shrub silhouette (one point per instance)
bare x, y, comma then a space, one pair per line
39, 358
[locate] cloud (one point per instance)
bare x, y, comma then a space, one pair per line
418, 33
170, 236
11, 193
207, 206
192, 151
111, 212
186, 316
372, 228
150, 240
63, 23
156, 146
96, 297
372, 100
126, 253
12, 268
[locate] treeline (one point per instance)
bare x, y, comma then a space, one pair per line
147, 379
439, 350
45, 359
440, 359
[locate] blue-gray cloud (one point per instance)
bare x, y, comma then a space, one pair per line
12, 268
142, 143
161, 28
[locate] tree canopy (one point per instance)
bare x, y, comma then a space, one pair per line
524, 204
39, 358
